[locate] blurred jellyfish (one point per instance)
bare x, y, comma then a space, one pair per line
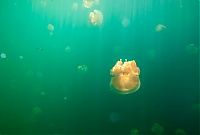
3, 55
151, 54
191, 49
21, 57
65, 98
125, 77
157, 129
36, 113
90, 3
74, 6
180, 132
160, 27
82, 68
125, 22
196, 107
50, 28
67, 49
134, 131
43, 3
42, 93
39, 74
96, 17
114, 117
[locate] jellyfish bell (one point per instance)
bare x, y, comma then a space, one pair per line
160, 27
88, 3
2, 55
74, 6
125, 77
96, 17
82, 69
50, 28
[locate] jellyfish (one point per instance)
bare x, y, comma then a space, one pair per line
125, 77
50, 27
180, 132
36, 114
21, 57
191, 49
82, 68
134, 131
114, 117
157, 129
3, 55
75, 6
125, 22
67, 49
90, 3
160, 27
96, 17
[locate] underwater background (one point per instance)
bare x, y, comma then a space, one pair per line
55, 67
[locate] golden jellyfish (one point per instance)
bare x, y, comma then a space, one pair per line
88, 3
125, 77
50, 28
96, 17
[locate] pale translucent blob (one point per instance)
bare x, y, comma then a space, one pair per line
157, 129
96, 17
191, 49
125, 77
180, 132
50, 28
114, 117
67, 49
3, 55
88, 3
21, 57
125, 22
74, 6
160, 27
134, 131
65, 98
43, 93
36, 114
151, 54
82, 68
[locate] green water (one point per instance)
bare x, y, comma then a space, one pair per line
58, 81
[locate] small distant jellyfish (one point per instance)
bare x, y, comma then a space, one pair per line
50, 27
125, 77
82, 68
180, 132
65, 98
36, 114
157, 129
191, 49
160, 27
74, 6
96, 17
114, 117
125, 22
67, 49
88, 3
42, 93
151, 54
21, 57
3, 55
134, 131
